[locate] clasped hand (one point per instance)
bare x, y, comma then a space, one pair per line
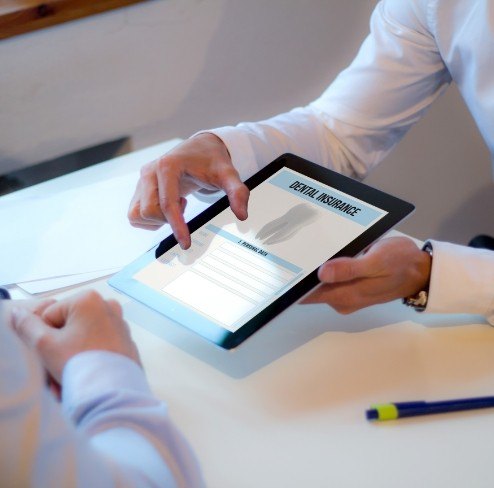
58, 330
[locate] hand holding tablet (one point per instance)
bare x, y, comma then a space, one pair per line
394, 267
237, 275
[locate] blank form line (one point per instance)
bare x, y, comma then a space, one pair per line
252, 260
224, 285
254, 287
239, 263
218, 264
208, 297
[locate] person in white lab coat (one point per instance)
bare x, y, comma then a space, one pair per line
415, 49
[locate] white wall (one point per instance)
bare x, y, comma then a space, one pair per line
167, 68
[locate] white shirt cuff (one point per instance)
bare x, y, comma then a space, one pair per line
240, 149
462, 280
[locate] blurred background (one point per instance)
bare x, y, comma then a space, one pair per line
84, 91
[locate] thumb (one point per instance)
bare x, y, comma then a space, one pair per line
29, 327
341, 270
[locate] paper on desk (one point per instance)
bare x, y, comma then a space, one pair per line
75, 231
50, 284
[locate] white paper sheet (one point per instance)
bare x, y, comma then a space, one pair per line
50, 284
76, 231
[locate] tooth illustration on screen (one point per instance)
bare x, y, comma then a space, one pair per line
287, 225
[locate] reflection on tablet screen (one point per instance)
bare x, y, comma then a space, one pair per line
235, 269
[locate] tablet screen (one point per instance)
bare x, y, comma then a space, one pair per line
237, 276
235, 269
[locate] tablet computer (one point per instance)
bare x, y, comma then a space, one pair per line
237, 276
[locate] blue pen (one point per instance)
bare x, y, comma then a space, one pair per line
4, 294
393, 411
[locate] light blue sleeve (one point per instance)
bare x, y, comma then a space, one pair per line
107, 396
112, 430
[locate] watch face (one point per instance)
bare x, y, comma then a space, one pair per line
418, 301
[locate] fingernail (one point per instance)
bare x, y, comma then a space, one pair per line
326, 274
183, 244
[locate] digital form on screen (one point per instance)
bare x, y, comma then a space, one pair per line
235, 269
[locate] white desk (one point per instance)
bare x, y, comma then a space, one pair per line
287, 408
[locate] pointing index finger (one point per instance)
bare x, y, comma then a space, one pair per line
172, 204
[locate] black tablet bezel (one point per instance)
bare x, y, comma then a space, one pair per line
396, 208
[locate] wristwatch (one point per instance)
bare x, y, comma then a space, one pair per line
419, 300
